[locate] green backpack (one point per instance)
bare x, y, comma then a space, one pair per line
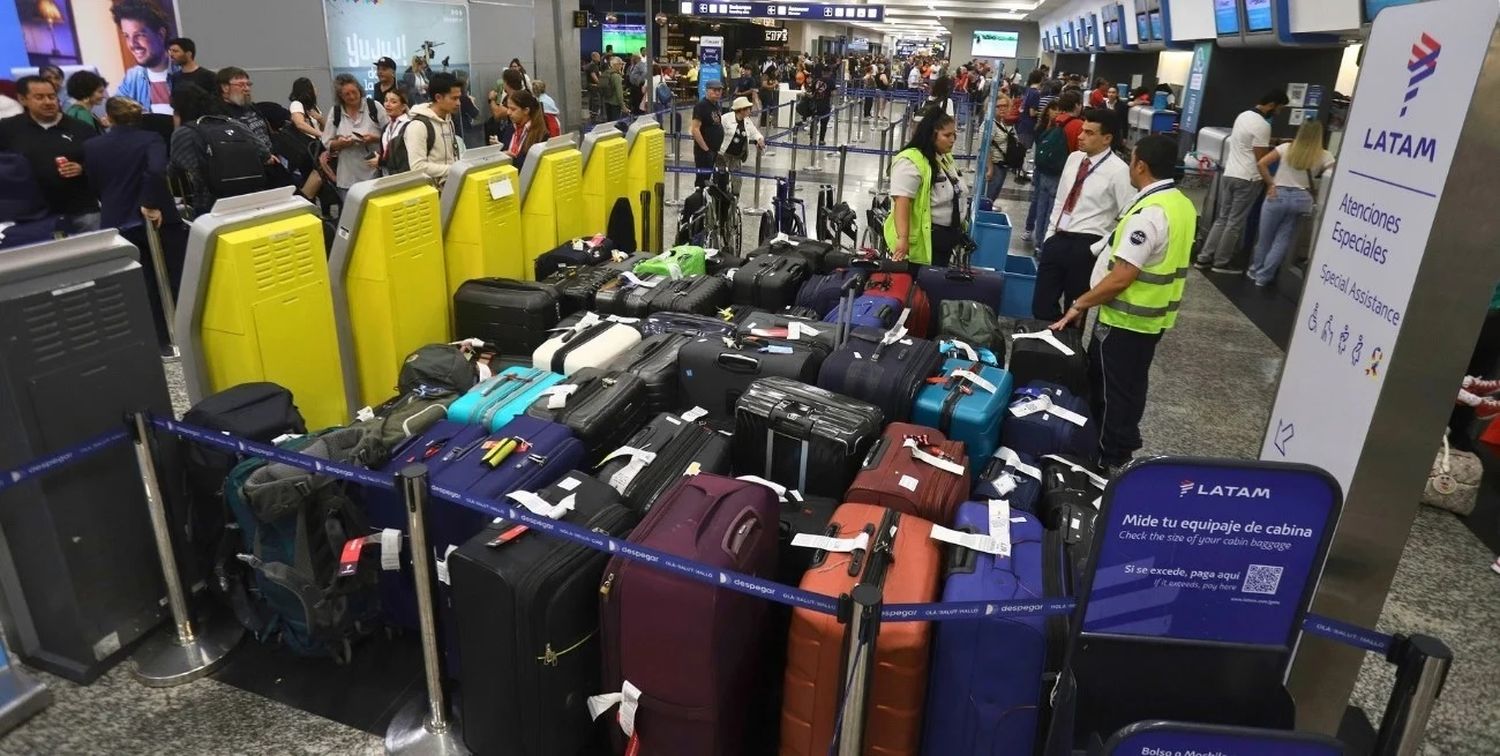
973, 323
677, 262
1052, 151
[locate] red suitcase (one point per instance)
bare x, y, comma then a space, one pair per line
903, 287
692, 649
916, 470
814, 671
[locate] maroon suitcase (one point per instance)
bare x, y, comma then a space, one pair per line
692, 649
912, 480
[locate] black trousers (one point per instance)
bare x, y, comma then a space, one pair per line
702, 161
1119, 369
1062, 274
944, 239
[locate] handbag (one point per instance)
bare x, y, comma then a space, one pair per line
1453, 482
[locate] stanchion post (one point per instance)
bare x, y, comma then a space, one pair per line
858, 670
676, 156
843, 161
422, 725
794, 146
163, 280
758, 154
188, 651
1422, 663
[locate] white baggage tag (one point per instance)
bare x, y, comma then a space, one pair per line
1042, 403
441, 565
622, 319
635, 280
629, 699
1099, 480
1004, 483
569, 483
831, 544
945, 465
1014, 460
364, 415
694, 414
894, 335
281, 439
968, 351
390, 549
540, 507
1000, 521
771, 484
1047, 336
557, 396
972, 541
638, 462
777, 349
710, 252
976, 380
908, 482
781, 238
729, 274
1069, 415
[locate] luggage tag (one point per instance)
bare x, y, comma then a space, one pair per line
629, 700
674, 270
622, 478
390, 549
557, 396
1013, 460
975, 379
635, 280
996, 542
796, 328
535, 504
1098, 480
349, 557
364, 415
694, 414
968, 351
777, 349
833, 545
782, 492
1047, 336
917, 453
441, 565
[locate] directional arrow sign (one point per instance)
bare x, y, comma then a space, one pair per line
1284, 433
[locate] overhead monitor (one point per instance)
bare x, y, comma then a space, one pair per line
1227, 17
1258, 15
996, 44
1142, 28
1112, 32
1373, 7
625, 37
1072, 35
1094, 30
1156, 27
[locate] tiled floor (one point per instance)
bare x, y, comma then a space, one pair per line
1211, 386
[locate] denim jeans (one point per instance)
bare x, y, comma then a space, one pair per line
1236, 197
1278, 226
1043, 196
992, 189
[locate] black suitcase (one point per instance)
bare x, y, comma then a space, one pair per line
589, 250
811, 251
777, 326
513, 315
688, 448
802, 436
526, 611
723, 262
654, 361
602, 412
577, 285
1038, 359
628, 296
886, 372
715, 371
770, 282
703, 295
686, 323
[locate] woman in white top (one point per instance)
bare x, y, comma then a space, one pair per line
304, 108
1288, 196
395, 109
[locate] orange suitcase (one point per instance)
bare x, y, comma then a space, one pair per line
814, 669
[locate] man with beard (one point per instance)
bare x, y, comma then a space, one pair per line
145, 30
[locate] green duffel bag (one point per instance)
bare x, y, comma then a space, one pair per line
677, 262
974, 323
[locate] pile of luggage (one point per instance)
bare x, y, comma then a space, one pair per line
800, 414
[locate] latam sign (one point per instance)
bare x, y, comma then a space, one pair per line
795, 11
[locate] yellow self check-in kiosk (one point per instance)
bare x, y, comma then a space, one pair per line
605, 175
390, 282
256, 304
551, 198
646, 156
481, 211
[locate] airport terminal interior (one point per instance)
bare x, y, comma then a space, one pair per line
1240, 360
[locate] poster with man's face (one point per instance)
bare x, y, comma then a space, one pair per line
110, 36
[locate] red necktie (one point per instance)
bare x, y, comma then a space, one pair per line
1083, 173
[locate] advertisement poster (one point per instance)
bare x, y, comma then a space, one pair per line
1223, 554
1179, 739
360, 33
124, 40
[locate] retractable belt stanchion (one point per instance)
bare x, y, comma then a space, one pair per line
858, 670
186, 653
660, 237
843, 161
794, 146
422, 726
163, 281
758, 154
1422, 663
676, 134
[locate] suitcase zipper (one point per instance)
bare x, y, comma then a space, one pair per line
668, 466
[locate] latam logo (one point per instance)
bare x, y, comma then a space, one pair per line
1233, 492
1184, 487
1423, 64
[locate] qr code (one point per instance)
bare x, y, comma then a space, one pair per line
1262, 578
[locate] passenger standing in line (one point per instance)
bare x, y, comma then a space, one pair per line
53, 144
431, 139
1001, 136
1093, 189
515, 65
396, 120
238, 103
54, 74
1051, 158
184, 55
708, 132
1249, 141
530, 126
417, 80
1031, 112
769, 97
188, 150
926, 217
385, 81
549, 106
1288, 196
737, 146
307, 127
353, 135
1138, 283
613, 84
1099, 94
88, 91
1069, 108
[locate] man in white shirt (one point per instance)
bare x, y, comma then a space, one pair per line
1092, 192
1249, 141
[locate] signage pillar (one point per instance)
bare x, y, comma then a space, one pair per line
1402, 270
710, 63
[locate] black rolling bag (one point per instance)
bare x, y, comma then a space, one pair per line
714, 372
602, 412
770, 282
654, 361
702, 295
680, 447
513, 315
802, 436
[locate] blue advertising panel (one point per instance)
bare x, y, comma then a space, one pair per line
804, 11
1227, 17
361, 33
1218, 552
1157, 738
1257, 15
1192, 95
710, 63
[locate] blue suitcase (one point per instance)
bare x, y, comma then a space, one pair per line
985, 685
1013, 476
823, 292
964, 409
870, 311
1049, 431
976, 285
954, 349
495, 402
876, 367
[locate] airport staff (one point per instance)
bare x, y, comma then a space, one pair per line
1138, 283
1092, 190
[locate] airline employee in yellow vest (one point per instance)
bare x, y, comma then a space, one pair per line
1137, 285
926, 221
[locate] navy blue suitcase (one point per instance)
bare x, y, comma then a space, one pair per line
884, 371
1050, 431
976, 285
822, 293
985, 684
1013, 476
870, 311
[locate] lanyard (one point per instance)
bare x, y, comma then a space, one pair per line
1136, 207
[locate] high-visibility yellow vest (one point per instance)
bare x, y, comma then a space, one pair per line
1149, 304
919, 243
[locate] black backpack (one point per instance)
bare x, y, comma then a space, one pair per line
396, 159
232, 166
370, 107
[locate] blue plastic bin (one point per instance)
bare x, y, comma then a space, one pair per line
1020, 285
992, 236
